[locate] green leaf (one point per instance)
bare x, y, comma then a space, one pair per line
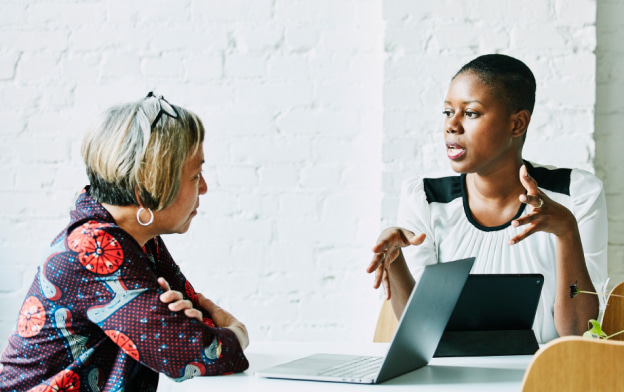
595, 331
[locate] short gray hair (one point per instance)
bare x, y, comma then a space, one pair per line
125, 157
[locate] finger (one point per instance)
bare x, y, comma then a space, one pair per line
377, 259
524, 220
193, 313
527, 181
386, 284
170, 296
183, 304
381, 246
535, 201
417, 239
378, 276
163, 283
529, 230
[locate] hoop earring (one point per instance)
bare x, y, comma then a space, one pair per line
139, 217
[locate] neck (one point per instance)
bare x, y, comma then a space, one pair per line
125, 217
493, 198
499, 184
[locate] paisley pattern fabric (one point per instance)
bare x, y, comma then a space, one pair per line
92, 319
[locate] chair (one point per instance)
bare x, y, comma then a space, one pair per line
572, 363
386, 324
613, 317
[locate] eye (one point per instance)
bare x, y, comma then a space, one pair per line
471, 114
447, 113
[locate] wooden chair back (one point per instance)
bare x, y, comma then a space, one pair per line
613, 316
386, 324
572, 363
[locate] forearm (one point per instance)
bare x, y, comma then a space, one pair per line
572, 314
401, 284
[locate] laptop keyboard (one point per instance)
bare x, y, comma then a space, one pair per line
358, 367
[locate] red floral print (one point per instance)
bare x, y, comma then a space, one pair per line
32, 318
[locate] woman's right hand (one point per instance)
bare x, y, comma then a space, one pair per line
224, 319
387, 249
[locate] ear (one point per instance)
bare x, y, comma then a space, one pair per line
137, 196
520, 122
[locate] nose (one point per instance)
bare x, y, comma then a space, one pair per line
452, 125
203, 187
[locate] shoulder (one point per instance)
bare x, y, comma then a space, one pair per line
570, 182
433, 190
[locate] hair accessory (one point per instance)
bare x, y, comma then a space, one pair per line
139, 217
164, 107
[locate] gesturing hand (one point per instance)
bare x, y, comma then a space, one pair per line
546, 215
176, 301
387, 249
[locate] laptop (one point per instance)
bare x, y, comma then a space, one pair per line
493, 316
426, 313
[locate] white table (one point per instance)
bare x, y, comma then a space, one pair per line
442, 374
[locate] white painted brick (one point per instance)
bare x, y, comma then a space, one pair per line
352, 39
263, 38
305, 122
33, 41
8, 65
80, 66
124, 66
37, 67
92, 38
340, 94
256, 150
153, 13
69, 14
300, 39
169, 66
322, 12
321, 176
232, 10
288, 67
576, 12
12, 124
245, 66
238, 123
540, 38
330, 65
204, 67
237, 176
13, 14
304, 205
273, 95
282, 177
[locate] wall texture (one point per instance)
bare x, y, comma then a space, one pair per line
315, 109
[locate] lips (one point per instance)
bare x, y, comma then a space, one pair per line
454, 151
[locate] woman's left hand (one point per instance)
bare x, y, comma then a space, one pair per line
176, 301
546, 214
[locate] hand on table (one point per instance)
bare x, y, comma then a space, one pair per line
387, 249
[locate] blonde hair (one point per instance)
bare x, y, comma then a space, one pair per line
125, 157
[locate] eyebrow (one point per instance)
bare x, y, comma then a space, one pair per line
467, 102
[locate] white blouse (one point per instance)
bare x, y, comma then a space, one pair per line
439, 208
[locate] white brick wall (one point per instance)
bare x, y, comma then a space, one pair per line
316, 110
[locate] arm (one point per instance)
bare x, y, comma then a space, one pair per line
570, 316
133, 316
222, 318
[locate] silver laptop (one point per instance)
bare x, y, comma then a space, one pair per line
420, 328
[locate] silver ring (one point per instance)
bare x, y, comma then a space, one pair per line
541, 202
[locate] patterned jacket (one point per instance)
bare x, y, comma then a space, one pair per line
92, 319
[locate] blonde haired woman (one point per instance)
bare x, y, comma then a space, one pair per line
100, 314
